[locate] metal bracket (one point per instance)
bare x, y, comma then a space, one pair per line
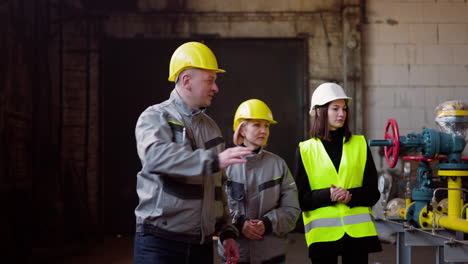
455, 251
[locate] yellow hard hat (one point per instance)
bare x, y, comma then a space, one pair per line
192, 55
252, 109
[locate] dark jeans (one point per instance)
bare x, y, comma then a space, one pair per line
155, 250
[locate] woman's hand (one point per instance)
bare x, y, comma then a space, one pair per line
338, 194
253, 229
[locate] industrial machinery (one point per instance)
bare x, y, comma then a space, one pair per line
443, 223
445, 146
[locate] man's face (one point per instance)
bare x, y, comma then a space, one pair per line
203, 87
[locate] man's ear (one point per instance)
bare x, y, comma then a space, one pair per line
186, 81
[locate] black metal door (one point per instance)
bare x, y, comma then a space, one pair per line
271, 70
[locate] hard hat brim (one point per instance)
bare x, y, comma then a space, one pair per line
173, 77
238, 121
312, 107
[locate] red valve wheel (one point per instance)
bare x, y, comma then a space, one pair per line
391, 153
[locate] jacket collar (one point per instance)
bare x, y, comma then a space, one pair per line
183, 106
255, 154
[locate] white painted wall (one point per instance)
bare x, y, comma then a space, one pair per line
415, 57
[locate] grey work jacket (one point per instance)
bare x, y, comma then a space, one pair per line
262, 188
180, 184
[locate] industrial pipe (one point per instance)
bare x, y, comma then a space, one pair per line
453, 220
457, 224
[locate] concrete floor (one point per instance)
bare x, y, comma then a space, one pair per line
118, 250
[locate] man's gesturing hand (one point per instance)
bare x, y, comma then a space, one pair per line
232, 156
231, 252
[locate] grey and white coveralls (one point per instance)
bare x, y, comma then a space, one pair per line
262, 188
180, 183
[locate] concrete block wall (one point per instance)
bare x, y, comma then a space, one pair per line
415, 57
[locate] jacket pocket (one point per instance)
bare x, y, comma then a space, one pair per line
236, 190
179, 134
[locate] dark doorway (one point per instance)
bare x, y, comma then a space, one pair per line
271, 70
134, 76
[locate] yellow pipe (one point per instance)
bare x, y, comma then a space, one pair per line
453, 220
454, 195
457, 224
453, 173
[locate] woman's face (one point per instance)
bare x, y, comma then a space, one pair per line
255, 133
337, 111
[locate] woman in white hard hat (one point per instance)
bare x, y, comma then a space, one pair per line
261, 192
337, 183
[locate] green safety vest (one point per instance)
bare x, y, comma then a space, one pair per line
330, 223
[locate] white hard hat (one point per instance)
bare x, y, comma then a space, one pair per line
325, 93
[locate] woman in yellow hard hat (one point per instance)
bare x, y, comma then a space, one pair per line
337, 183
261, 192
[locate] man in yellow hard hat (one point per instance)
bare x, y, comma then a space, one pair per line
181, 202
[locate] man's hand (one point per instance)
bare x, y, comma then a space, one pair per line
231, 252
232, 156
339, 194
253, 229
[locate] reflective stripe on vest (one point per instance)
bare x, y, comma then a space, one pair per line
332, 222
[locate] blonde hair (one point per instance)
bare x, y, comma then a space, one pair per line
238, 139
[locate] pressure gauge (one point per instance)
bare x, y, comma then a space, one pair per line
381, 183
384, 182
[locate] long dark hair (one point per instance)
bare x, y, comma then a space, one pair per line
320, 128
